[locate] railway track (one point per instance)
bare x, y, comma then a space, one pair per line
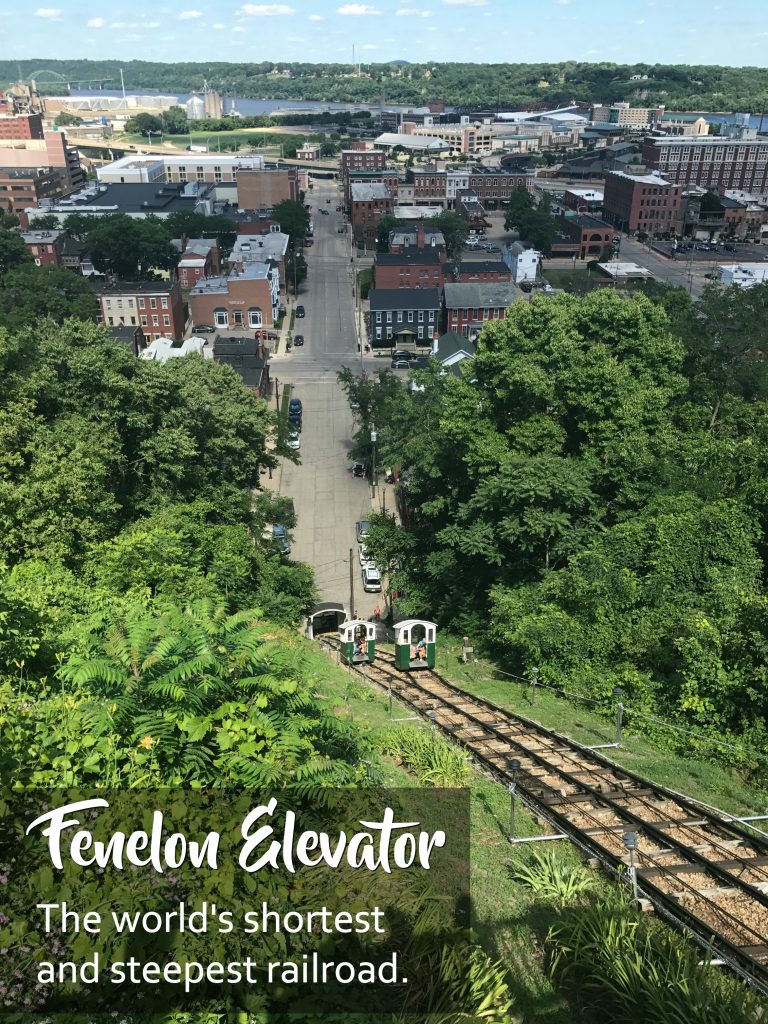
705, 872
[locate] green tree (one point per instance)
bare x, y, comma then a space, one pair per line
295, 269
131, 248
201, 225
292, 218
520, 204
30, 293
13, 251
386, 225
174, 121
455, 231
44, 222
79, 224
144, 124
537, 226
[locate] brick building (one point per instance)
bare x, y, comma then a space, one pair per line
45, 246
429, 185
383, 175
479, 271
416, 236
642, 202
21, 126
494, 187
368, 204
270, 246
247, 298
469, 306
50, 151
414, 268
469, 207
22, 188
177, 167
200, 257
361, 160
262, 190
403, 317
587, 238
155, 306
715, 162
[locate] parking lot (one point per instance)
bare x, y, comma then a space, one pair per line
730, 252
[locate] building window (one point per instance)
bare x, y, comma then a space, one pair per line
421, 332
378, 318
164, 302
141, 303
421, 316
389, 318
221, 317
143, 321
153, 303
254, 317
431, 316
155, 321
166, 321
410, 316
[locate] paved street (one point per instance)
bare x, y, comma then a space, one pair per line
328, 499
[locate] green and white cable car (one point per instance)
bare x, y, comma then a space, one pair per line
358, 642
415, 642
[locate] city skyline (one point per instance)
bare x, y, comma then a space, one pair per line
325, 31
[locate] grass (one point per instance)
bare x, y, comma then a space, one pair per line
248, 137
695, 776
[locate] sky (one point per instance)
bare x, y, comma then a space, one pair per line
620, 31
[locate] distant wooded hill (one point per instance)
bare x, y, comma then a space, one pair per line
507, 86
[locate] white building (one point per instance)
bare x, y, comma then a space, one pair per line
455, 180
524, 263
745, 275
175, 167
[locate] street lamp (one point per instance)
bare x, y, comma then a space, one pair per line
373, 459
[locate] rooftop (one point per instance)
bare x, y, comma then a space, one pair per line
482, 267
220, 285
584, 220
162, 349
363, 192
41, 237
404, 298
409, 236
133, 197
134, 287
490, 295
271, 245
429, 254
624, 271
417, 212
644, 179
429, 142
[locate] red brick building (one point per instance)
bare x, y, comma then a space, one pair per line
248, 298
361, 160
45, 246
416, 236
587, 238
480, 271
716, 162
494, 187
155, 306
200, 257
383, 175
642, 202
429, 185
22, 126
369, 203
415, 268
263, 189
469, 306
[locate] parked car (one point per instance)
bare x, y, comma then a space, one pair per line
730, 248
294, 441
300, 312
294, 406
401, 353
365, 558
340, 230
204, 329
400, 364
280, 537
325, 213
309, 241
328, 201
353, 403
359, 469
371, 579
338, 209
362, 526
298, 341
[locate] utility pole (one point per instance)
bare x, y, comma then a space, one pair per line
277, 395
351, 584
373, 460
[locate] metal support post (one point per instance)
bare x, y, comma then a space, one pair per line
512, 790
534, 681
630, 841
617, 692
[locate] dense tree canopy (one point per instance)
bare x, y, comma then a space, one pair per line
131, 248
589, 497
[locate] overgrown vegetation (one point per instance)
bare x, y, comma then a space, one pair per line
434, 761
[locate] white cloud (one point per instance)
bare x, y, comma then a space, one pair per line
357, 9
316, 17
219, 26
95, 23
265, 10
465, 3
190, 15
51, 13
369, 46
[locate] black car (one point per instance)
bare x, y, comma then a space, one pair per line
300, 312
294, 406
204, 329
402, 354
730, 248
359, 469
400, 364
298, 341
